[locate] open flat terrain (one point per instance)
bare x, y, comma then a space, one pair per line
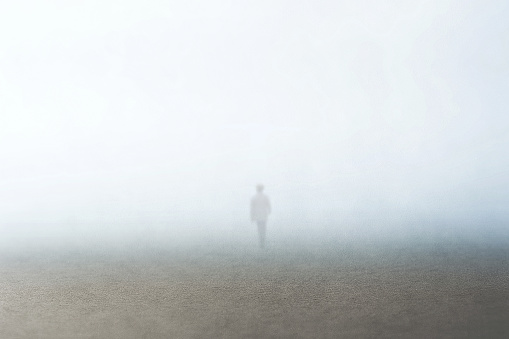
349, 291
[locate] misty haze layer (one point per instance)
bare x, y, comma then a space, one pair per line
388, 117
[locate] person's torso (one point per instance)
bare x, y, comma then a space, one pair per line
260, 205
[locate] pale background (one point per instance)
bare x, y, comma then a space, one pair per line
382, 116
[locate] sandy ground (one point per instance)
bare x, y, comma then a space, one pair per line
218, 292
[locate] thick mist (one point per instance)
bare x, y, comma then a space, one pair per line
154, 120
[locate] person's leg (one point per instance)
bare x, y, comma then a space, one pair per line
262, 229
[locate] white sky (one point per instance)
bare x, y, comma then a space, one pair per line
124, 110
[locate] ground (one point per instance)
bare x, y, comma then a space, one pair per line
347, 291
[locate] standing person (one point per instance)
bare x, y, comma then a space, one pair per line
260, 210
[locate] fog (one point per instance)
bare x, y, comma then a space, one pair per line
155, 120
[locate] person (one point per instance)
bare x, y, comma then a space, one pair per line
260, 210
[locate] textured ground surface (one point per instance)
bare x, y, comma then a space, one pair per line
406, 291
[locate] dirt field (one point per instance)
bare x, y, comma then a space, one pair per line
459, 290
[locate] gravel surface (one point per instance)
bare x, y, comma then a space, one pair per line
372, 292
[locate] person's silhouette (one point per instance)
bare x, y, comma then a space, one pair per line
260, 210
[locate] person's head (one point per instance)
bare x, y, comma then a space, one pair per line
259, 188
